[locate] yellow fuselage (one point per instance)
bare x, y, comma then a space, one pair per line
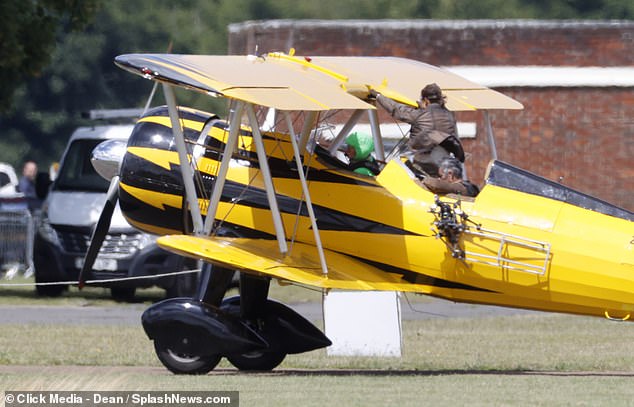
527, 251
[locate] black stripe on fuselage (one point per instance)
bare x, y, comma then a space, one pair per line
328, 219
418, 278
140, 173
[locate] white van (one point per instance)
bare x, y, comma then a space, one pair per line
69, 214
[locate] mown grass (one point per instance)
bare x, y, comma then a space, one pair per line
525, 359
515, 343
324, 389
536, 359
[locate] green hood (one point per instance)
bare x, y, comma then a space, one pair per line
362, 143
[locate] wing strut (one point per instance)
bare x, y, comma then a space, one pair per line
343, 133
487, 121
230, 145
373, 115
309, 204
266, 175
309, 123
186, 169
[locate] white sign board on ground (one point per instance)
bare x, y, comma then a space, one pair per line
363, 323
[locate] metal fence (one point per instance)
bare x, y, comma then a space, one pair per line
16, 243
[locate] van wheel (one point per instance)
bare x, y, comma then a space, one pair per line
49, 290
184, 285
46, 272
52, 290
123, 293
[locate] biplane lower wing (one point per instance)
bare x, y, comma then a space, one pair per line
301, 266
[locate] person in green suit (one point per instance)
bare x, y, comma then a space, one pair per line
359, 148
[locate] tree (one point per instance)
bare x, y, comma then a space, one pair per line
27, 37
81, 74
49, 75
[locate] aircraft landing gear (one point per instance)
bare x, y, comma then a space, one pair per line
191, 335
185, 364
252, 307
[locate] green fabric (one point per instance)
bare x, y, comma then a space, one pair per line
364, 171
363, 145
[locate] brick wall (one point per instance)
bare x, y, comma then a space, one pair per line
475, 42
583, 136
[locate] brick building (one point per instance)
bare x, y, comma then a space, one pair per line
574, 78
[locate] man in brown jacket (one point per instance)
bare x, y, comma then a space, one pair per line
433, 135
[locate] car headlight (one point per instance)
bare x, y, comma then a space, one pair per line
145, 240
46, 230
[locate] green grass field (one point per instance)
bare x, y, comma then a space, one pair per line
519, 360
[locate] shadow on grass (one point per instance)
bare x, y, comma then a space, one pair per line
415, 372
155, 370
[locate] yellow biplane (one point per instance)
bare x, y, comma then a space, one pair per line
266, 198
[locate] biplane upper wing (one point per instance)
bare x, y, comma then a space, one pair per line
281, 85
402, 79
317, 83
301, 265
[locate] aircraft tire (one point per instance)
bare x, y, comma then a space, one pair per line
262, 361
185, 364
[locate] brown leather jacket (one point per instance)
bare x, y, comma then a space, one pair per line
423, 121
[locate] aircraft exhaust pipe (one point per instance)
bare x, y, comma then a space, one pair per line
191, 327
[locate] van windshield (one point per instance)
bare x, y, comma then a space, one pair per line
4, 179
77, 172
